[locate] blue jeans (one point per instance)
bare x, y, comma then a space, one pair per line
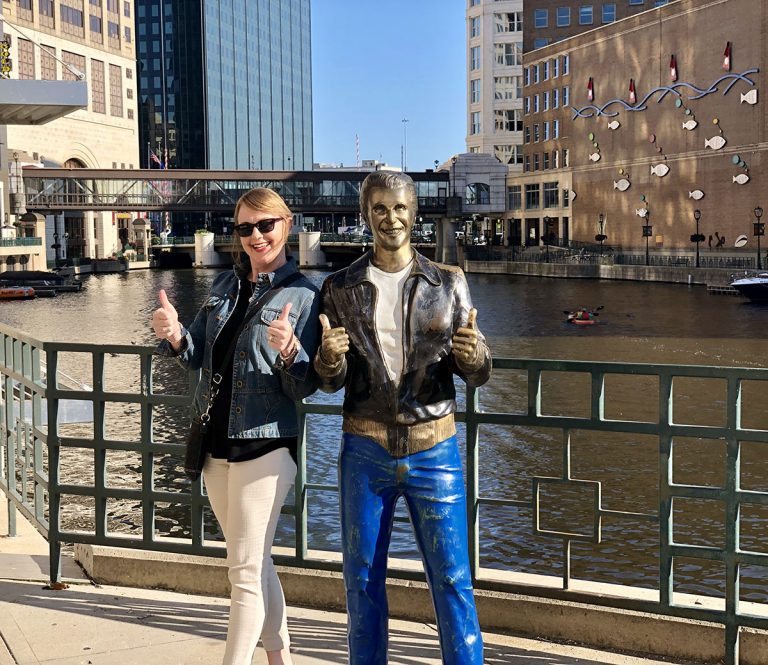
432, 483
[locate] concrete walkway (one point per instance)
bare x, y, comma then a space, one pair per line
98, 625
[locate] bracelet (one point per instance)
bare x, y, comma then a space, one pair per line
294, 350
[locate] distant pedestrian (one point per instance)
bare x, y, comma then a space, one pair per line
254, 339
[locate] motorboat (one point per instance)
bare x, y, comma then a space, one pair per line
16, 292
753, 286
43, 281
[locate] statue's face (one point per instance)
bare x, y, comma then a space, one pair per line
390, 215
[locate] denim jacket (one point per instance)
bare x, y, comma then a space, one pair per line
264, 390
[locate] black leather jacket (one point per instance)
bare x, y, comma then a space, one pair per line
436, 303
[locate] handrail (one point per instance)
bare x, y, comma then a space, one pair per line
33, 484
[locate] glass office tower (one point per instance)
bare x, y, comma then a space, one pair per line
225, 84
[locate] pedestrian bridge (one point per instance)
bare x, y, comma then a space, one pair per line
566, 514
142, 190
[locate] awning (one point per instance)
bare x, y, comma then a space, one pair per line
32, 102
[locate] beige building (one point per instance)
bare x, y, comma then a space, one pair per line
494, 80
658, 115
68, 40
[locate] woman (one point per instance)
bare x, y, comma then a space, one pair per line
264, 369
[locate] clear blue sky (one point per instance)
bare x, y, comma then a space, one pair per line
375, 62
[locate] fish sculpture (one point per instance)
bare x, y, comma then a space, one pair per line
615, 124
660, 170
641, 212
741, 179
691, 124
595, 157
696, 195
749, 97
622, 185
716, 142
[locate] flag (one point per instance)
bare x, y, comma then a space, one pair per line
357, 151
590, 90
632, 93
155, 158
727, 57
165, 166
673, 68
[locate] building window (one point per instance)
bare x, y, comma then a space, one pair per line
475, 129
660, 3
545, 101
514, 197
541, 42
546, 131
545, 65
545, 161
508, 121
540, 18
566, 64
474, 26
555, 98
474, 91
508, 154
555, 129
566, 197
47, 10
636, 2
508, 54
535, 73
26, 59
555, 68
127, 9
71, 16
95, 24
115, 91
527, 166
508, 22
566, 96
551, 194
127, 34
98, 103
129, 93
532, 197
76, 61
527, 105
130, 116
565, 160
47, 63
129, 73
24, 4
609, 12
585, 15
507, 87
478, 193
474, 3
536, 132
563, 17
555, 159
527, 74
535, 103
474, 58
527, 134
113, 6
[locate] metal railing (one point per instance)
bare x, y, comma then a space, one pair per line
20, 242
32, 442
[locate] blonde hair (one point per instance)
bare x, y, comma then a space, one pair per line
260, 199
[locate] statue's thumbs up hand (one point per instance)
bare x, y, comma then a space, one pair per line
465, 340
334, 344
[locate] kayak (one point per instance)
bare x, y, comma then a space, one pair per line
581, 322
16, 292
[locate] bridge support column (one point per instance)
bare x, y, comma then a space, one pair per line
310, 253
445, 249
205, 254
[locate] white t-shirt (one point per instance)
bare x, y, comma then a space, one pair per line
388, 320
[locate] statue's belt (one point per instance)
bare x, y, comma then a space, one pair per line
402, 440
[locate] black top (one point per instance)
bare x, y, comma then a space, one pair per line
218, 443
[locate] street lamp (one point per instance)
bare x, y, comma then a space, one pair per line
405, 144
547, 220
453, 173
697, 237
600, 237
647, 233
759, 230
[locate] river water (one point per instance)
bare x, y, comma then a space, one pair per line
521, 317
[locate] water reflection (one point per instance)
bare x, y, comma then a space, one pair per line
521, 317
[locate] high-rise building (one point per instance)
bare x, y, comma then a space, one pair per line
225, 84
495, 80
54, 40
548, 21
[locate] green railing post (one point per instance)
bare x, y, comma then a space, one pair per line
473, 481
54, 494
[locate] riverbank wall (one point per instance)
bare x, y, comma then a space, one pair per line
717, 277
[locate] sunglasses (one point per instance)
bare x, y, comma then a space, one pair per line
264, 226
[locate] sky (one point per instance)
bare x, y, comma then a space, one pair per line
375, 62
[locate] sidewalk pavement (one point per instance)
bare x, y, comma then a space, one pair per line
88, 624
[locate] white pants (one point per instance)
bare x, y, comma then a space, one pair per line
246, 498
